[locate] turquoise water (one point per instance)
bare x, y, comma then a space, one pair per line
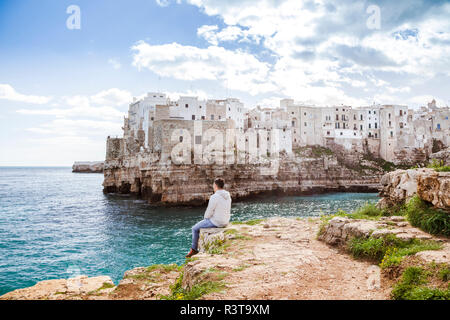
56, 224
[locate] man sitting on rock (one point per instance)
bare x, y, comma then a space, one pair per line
217, 215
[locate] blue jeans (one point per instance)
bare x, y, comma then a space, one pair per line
205, 223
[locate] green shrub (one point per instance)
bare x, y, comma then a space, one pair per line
196, 292
388, 250
369, 210
444, 274
423, 216
411, 287
439, 166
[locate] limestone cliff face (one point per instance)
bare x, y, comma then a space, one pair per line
88, 167
167, 183
401, 185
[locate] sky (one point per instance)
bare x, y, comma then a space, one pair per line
65, 86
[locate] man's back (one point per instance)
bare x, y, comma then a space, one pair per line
219, 208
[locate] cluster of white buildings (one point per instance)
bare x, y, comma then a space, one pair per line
391, 132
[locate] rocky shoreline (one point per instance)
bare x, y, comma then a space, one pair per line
372, 253
168, 184
276, 258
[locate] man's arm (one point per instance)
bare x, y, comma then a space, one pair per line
211, 206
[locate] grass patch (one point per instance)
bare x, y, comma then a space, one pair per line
427, 218
388, 250
217, 246
412, 287
444, 274
196, 292
387, 166
313, 151
106, 285
249, 222
164, 267
394, 256
438, 165
240, 268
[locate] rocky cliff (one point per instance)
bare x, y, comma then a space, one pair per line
167, 183
276, 258
88, 167
401, 185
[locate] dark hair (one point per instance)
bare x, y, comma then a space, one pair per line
219, 182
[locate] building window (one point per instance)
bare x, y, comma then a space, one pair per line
360, 127
186, 105
293, 123
152, 118
370, 126
337, 117
401, 112
328, 133
199, 107
212, 117
203, 117
376, 125
305, 124
220, 117
438, 126
374, 112
389, 115
361, 117
193, 117
392, 134
389, 123
401, 125
369, 112
198, 139
341, 133
305, 113
376, 135
181, 138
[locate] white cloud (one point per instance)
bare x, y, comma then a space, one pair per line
99, 106
7, 92
112, 97
327, 42
237, 70
212, 34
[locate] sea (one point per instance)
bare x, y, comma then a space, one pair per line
58, 224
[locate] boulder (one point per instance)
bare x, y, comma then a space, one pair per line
401, 185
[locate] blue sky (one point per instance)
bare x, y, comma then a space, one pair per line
63, 91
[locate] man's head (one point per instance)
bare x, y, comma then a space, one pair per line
218, 184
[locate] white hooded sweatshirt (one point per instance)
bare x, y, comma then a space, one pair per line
219, 208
